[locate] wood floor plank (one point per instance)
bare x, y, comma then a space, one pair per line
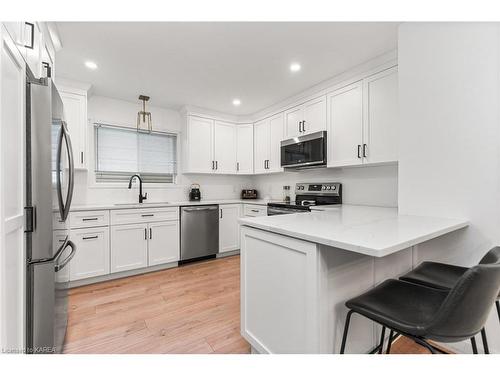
194, 308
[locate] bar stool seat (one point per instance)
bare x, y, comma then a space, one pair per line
403, 306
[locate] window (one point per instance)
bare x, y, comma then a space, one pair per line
122, 152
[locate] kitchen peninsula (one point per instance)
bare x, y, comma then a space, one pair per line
298, 270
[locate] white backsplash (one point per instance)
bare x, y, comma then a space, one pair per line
374, 185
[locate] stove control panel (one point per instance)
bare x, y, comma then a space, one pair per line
330, 188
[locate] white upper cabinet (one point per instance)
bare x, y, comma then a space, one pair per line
244, 149
345, 126
75, 112
276, 135
261, 145
306, 118
225, 148
363, 121
381, 117
214, 146
200, 158
229, 229
268, 134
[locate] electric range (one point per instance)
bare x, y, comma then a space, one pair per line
307, 195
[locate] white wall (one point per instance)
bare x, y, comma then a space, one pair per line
375, 186
449, 137
123, 113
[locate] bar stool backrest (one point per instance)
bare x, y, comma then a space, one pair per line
492, 256
464, 311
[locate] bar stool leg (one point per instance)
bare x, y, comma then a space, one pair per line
498, 309
390, 342
346, 329
382, 337
485, 342
474, 346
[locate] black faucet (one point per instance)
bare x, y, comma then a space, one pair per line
141, 197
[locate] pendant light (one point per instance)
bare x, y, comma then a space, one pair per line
144, 117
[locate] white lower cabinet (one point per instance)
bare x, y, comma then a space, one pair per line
92, 253
129, 247
164, 242
229, 229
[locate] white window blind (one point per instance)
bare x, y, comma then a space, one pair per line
122, 152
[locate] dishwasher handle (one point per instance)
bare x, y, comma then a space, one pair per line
197, 209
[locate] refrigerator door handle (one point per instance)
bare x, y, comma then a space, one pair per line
64, 208
60, 265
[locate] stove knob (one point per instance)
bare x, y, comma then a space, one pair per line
334, 187
324, 187
328, 187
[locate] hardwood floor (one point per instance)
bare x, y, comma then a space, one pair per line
190, 309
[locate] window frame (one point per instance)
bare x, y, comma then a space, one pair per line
93, 183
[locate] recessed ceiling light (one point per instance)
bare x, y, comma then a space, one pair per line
236, 102
295, 67
91, 65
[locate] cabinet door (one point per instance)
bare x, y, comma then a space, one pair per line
12, 182
261, 145
33, 47
276, 135
92, 253
381, 117
129, 247
292, 118
163, 244
244, 149
314, 115
229, 229
225, 148
75, 112
345, 126
200, 145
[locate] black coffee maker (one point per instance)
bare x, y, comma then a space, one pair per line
194, 192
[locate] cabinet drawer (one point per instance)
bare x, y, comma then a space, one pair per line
92, 253
254, 210
58, 223
144, 215
89, 219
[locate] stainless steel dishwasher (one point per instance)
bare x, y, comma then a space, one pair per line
199, 231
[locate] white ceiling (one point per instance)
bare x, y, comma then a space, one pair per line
209, 64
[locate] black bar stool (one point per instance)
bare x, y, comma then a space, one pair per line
444, 276
423, 313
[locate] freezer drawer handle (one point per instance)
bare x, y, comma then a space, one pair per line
60, 266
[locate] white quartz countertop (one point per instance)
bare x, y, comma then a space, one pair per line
123, 205
374, 231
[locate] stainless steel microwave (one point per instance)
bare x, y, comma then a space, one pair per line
306, 151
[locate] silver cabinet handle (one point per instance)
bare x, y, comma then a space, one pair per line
221, 213
150, 233
89, 218
237, 166
145, 233
254, 210
303, 126
359, 151
90, 238
364, 149
147, 215
216, 165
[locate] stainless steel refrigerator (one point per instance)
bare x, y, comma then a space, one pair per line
49, 166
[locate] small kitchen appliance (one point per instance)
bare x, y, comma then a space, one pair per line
195, 193
307, 195
249, 194
305, 151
